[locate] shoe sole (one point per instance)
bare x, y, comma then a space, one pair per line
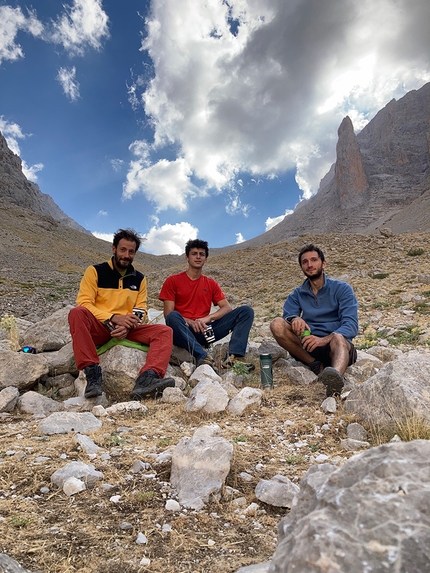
93, 393
153, 390
332, 380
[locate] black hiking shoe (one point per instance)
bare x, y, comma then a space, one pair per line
332, 380
93, 375
316, 366
150, 385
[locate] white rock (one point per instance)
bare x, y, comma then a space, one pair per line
73, 485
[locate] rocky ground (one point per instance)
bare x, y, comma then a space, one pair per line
48, 532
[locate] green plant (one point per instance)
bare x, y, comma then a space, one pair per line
314, 447
422, 307
145, 495
381, 304
8, 322
115, 440
295, 459
380, 276
18, 521
415, 252
240, 368
164, 442
406, 335
240, 438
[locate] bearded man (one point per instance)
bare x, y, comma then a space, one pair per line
320, 319
108, 294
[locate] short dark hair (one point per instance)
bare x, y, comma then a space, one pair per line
196, 244
128, 235
309, 248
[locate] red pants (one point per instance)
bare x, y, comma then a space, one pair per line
88, 332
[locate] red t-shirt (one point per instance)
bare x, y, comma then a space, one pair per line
193, 298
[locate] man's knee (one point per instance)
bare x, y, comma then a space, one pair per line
77, 314
339, 341
174, 318
278, 327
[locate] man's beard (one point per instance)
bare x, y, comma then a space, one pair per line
121, 265
316, 275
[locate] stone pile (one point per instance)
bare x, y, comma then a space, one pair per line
385, 385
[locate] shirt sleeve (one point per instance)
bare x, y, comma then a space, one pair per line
141, 301
168, 290
291, 306
348, 312
88, 293
217, 293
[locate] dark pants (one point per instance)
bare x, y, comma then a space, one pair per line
237, 321
322, 353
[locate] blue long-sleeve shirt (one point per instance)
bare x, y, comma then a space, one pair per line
334, 309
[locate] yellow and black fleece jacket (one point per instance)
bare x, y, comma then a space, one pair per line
104, 292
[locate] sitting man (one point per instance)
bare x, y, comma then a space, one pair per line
188, 297
107, 295
320, 319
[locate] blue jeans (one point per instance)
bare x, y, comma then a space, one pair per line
237, 321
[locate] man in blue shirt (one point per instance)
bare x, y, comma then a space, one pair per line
319, 321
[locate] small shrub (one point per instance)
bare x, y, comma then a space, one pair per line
406, 335
18, 521
240, 368
415, 252
295, 460
380, 276
240, 438
114, 440
145, 495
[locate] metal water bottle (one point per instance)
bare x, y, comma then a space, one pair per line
266, 371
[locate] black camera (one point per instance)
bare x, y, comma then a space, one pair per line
209, 335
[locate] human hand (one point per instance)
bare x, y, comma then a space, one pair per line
120, 332
298, 326
198, 325
129, 321
311, 342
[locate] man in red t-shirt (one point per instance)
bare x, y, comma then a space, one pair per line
188, 298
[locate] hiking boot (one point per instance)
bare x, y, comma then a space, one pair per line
332, 380
93, 375
209, 360
230, 360
150, 385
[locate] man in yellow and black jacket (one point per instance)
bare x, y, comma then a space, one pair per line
107, 295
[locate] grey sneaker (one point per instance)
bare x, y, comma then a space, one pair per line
332, 380
93, 375
209, 360
150, 385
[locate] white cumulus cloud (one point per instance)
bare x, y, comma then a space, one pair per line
260, 87
12, 132
169, 239
13, 20
83, 25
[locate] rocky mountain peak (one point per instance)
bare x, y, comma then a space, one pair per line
17, 189
350, 177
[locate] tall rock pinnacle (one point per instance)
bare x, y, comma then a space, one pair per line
351, 181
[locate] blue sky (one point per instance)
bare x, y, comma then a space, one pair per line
183, 118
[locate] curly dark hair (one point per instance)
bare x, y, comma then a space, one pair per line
129, 235
196, 244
